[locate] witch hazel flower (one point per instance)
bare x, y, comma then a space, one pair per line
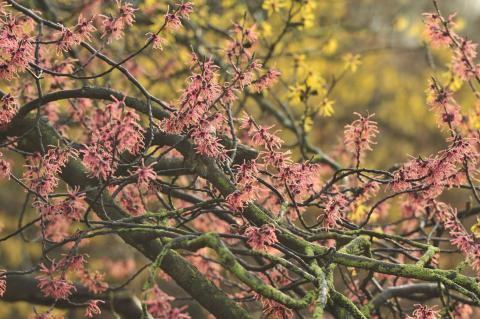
84, 28
94, 281
424, 312
359, 135
93, 308
185, 8
69, 38
17, 50
273, 309
145, 175
113, 26
53, 286
267, 80
463, 60
42, 171
435, 30
157, 41
334, 210
444, 106
5, 167
260, 238
158, 302
3, 283
8, 109
172, 20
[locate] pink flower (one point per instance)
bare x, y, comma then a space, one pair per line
55, 287
462, 241
131, 200
67, 39
5, 168
126, 13
94, 282
261, 238
3, 283
267, 80
74, 205
262, 136
423, 312
185, 8
207, 143
177, 313
113, 26
93, 308
462, 62
83, 28
8, 109
157, 41
112, 29
435, 31
158, 302
462, 311
42, 171
172, 20
273, 309
334, 210
145, 175
359, 135
98, 161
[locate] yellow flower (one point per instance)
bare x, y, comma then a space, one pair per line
326, 109
316, 83
273, 6
330, 47
307, 15
351, 62
266, 29
476, 228
308, 124
296, 92
401, 24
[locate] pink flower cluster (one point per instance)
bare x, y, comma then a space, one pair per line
3, 283
247, 186
173, 18
146, 175
359, 135
461, 239
273, 309
52, 285
424, 312
53, 282
69, 38
113, 26
160, 307
5, 167
430, 176
260, 238
202, 92
440, 33
93, 308
8, 109
16, 49
444, 106
112, 131
267, 80
42, 172
435, 29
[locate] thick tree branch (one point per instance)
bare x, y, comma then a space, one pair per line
24, 288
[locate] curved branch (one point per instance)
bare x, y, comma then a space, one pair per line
24, 288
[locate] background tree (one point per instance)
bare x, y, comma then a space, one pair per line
180, 160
